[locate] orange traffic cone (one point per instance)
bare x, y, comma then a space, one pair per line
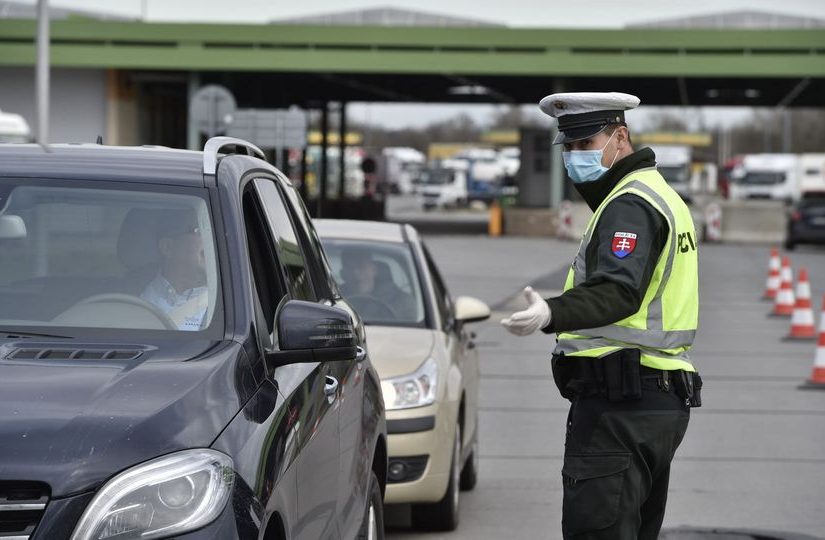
817, 379
783, 307
802, 321
772, 285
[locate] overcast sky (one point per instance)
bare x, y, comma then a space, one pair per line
515, 13
520, 13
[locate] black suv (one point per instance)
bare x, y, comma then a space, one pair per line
175, 360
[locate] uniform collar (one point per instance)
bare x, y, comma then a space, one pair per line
595, 192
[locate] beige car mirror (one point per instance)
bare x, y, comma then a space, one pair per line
12, 227
469, 309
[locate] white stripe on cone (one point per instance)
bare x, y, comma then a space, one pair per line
773, 282
818, 372
802, 321
785, 298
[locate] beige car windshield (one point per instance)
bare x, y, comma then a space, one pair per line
379, 279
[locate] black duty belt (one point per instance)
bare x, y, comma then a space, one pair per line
619, 377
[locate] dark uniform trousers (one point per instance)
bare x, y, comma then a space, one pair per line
617, 463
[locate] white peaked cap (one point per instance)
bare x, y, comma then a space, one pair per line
565, 103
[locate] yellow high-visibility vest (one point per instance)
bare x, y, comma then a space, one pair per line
665, 325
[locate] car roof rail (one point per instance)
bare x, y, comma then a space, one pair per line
214, 146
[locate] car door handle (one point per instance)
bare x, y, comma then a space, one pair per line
331, 386
360, 354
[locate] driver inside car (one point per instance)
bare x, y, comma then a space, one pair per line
179, 289
369, 284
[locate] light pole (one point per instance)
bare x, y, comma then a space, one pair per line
42, 71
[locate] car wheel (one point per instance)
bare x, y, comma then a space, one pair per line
372, 526
790, 245
443, 515
469, 474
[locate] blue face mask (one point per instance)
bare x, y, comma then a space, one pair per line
586, 165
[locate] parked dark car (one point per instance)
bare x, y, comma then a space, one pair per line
175, 359
806, 220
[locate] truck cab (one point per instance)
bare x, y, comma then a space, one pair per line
673, 163
765, 176
445, 185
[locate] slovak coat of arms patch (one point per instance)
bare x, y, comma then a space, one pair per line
623, 244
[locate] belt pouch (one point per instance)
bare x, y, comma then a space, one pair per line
622, 375
631, 374
696, 399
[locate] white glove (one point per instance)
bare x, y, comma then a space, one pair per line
537, 315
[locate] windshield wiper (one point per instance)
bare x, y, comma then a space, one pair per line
12, 335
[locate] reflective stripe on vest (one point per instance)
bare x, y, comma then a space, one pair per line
661, 348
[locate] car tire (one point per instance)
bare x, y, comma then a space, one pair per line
443, 515
372, 526
790, 245
469, 474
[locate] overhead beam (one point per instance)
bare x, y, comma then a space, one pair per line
435, 51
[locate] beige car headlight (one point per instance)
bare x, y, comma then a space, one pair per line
414, 390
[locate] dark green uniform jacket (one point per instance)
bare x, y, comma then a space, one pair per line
614, 287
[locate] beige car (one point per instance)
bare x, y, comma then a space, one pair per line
420, 343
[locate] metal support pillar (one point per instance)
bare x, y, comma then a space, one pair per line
557, 176
42, 71
193, 136
302, 188
342, 147
324, 169
787, 130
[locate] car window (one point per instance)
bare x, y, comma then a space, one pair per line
269, 284
442, 296
379, 280
287, 246
107, 255
313, 247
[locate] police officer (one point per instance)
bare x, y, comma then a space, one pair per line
624, 325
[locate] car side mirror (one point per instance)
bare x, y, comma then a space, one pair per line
310, 332
468, 309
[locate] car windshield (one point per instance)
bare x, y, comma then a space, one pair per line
379, 279
95, 255
436, 177
762, 178
674, 175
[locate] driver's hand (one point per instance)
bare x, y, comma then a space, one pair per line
537, 315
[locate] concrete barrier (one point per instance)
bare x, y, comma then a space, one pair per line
732, 221
547, 221
530, 221
752, 221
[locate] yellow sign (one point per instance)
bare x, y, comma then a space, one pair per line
353, 138
689, 139
448, 150
501, 137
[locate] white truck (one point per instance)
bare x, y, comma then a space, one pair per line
401, 168
510, 159
777, 176
445, 184
14, 129
674, 163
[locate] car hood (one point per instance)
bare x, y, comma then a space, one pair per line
398, 351
75, 423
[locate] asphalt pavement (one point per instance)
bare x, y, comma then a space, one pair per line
754, 454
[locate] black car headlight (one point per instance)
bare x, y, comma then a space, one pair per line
163, 497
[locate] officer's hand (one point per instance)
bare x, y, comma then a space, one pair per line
537, 315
